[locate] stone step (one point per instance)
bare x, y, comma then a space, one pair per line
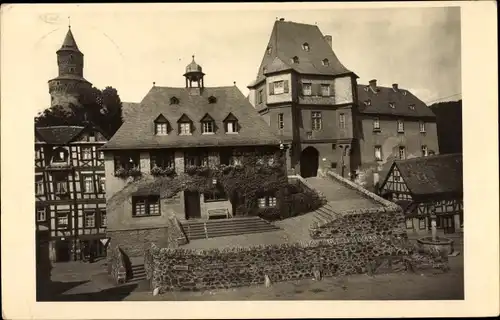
230, 233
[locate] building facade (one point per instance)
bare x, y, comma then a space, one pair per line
425, 186
70, 190
181, 132
315, 105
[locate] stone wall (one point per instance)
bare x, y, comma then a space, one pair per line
117, 265
192, 270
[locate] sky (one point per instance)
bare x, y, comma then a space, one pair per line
129, 47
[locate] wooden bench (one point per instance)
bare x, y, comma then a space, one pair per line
216, 213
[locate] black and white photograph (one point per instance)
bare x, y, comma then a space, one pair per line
222, 154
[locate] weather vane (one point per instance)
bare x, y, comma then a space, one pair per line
69, 22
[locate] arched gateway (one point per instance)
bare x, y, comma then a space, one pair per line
309, 162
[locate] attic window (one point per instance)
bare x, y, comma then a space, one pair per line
174, 100
212, 99
269, 50
404, 93
412, 107
368, 103
207, 125
392, 105
305, 46
231, 124
295, 59
161, 126
366, 89
185, 125
60, 155
326, 62
264, 69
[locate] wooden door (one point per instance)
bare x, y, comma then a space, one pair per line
192, 205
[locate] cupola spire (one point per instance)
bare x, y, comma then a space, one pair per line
194, 73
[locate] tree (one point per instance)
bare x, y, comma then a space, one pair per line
100, 107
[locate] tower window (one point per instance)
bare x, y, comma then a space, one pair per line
305, 46
325, 90
392, 105
376, 124
378, 153
342, 121
325, 62
281, 121
269, 50
422, 127
402, 153
307, 89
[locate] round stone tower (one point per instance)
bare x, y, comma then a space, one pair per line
70, 84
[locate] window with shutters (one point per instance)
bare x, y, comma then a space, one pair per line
146, 206
306, 89
316, 121
325, 90
281, 121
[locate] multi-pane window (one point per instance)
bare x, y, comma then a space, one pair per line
162, 159
207, 127
89, 219
422, 126
88, 184
60, 183
161, 128
279, 87
41, 214
146, 206
185, 128
421, 224
306, 89
127, 161
196, 158
100, 155
325, 90
316, 120
231, 127
376, 124
260, 96
425, 151
281, 121
266, 202
409, 223
62, 220
401, 126
86, 153
402, 153
102, 183
325, 62
104, 219
39, 185
378, 153
342, 121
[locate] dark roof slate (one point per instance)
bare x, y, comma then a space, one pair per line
69, 42
401, 98
137, 132
432, 175
58, 134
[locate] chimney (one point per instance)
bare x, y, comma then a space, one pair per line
373, 85
328, 39
395, 87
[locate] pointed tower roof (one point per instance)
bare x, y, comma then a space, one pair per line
69, 42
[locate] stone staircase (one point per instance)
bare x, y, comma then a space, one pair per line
138, 273
325, 214
225, 227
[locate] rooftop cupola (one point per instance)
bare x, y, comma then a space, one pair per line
194, 74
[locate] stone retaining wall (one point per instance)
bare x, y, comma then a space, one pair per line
192, 270
117, 265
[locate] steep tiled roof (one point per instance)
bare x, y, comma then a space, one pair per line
69, 42
432, 175
128, 108
137, 132
58, 134
285, 43
402, 99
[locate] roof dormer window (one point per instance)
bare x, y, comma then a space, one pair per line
212, 99
411, 106
264, 69
404, 93
207, 125
174, 100
161, 126
325, 62
295, 59
231, 124
305, 46
368, 102
392, 105
269, 50
366, 89
185, 125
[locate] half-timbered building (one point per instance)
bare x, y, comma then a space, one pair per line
425, 186
70, 189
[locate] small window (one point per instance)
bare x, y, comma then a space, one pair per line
325, 62
90, 220
146, 206
231, 126
306, 89
61, 184
404, 93
161, 128
316, 120
281, 121
295, 60
88, 184
421, 224
401, 126
60, 155
264, 69
409, 223
425, 151
402, 153
411, 106
378, 153
41, 215
267, 202
342, 121
102, 183
376, 124
422, 127
86, 153
39, 190
185, 128
260, 96
392, 105
100, 155
279, 87
207, 127
366, 88
368, 102
174, 100
104, 219
212, 99
62, 220
269, 50
325, 90
305, 46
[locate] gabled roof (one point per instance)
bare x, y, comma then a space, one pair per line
432, 175
286, 42
137, 131
61, 135
161, 118
207, 117
401, 98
